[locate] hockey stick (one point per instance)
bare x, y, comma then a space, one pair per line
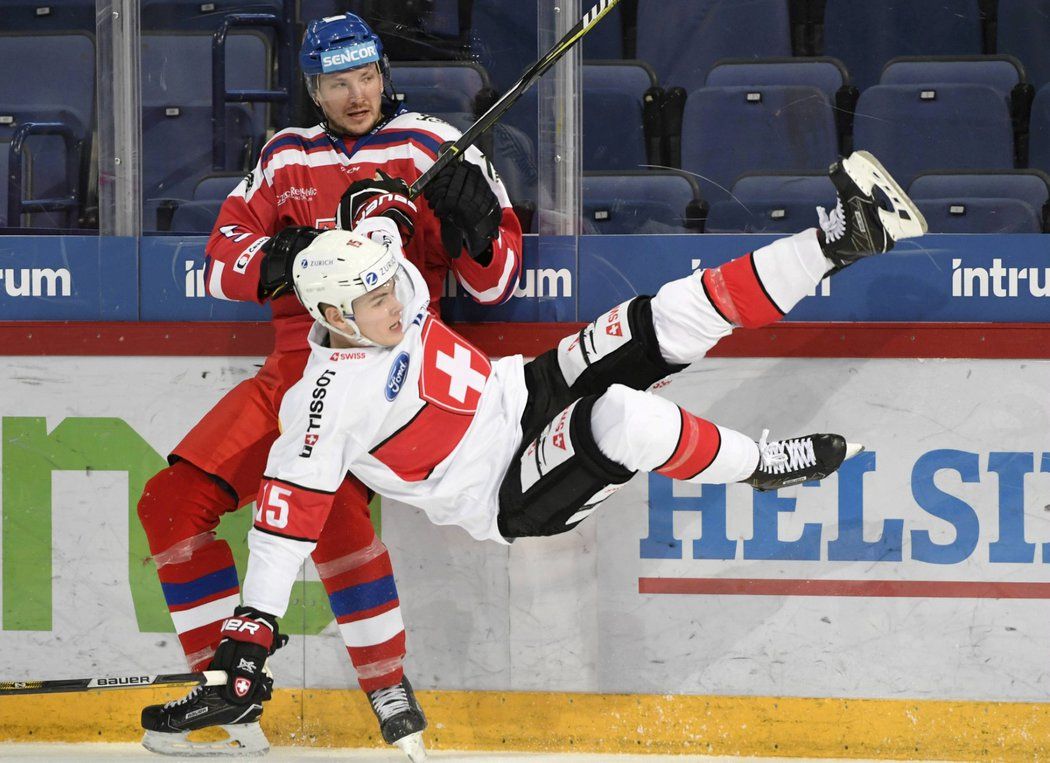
500, 107
205, 678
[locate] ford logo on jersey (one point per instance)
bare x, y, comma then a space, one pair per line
396, 378
349, 57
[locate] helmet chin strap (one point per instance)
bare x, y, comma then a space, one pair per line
357, 337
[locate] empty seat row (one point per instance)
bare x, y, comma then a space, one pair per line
669, 202
1012, 201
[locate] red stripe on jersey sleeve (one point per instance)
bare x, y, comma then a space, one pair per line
698, 445
496, 280
413, 451
738, 294
291, 511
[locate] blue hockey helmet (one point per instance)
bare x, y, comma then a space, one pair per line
338, 43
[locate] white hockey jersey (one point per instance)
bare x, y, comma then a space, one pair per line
431, 422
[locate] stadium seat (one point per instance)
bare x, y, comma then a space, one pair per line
1022, 32
199, 16
772, 204
177, 112
613, 101
503, 38
905, 126
682, 39
1039, 148
1003, 73
613, 131
865, 35
216, 187
826, 74
640, 202
439, 87
195, 217
976, 215
1029, 186
48, 16
727, 131
61, 90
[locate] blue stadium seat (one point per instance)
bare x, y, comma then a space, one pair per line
826, 74
48, 16
682, 39
728, 131
976, 215
442, 20
177, 147
1003, 73
438, 87
605, 41
1039, 148
640, 202
503, 38
1031, 187
613, 98
865, 35
198, 15
216, 187
906, 126
1022, 31
613, 132
60, 90
772, 204
195, 217
177, 112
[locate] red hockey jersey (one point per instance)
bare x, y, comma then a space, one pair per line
299, 179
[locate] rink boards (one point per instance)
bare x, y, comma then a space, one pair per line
907, 593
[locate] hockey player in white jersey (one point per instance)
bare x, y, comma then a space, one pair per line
508, 449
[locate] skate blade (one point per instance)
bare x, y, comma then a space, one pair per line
412, 746
904, 220
852, 449
244, 741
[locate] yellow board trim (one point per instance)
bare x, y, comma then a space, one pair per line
614, 723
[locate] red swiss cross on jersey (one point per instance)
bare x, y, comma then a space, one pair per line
454, 371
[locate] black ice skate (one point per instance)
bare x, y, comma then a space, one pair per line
859, 226
168, 726
401, 719
789, 462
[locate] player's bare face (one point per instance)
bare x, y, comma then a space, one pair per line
351, 100
378, 315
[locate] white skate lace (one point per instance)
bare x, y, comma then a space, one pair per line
833, 225
390, 701
782, 456
189, 697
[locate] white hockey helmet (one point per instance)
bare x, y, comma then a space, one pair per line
338, 267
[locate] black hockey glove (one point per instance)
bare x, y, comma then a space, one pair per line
384, 196
469, 211
275, 275
248, 638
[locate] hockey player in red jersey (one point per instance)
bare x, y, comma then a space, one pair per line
354, 165
508, 449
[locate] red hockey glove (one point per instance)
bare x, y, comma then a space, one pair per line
382, 195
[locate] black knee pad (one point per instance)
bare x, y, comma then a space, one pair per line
557, 479
619, 347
